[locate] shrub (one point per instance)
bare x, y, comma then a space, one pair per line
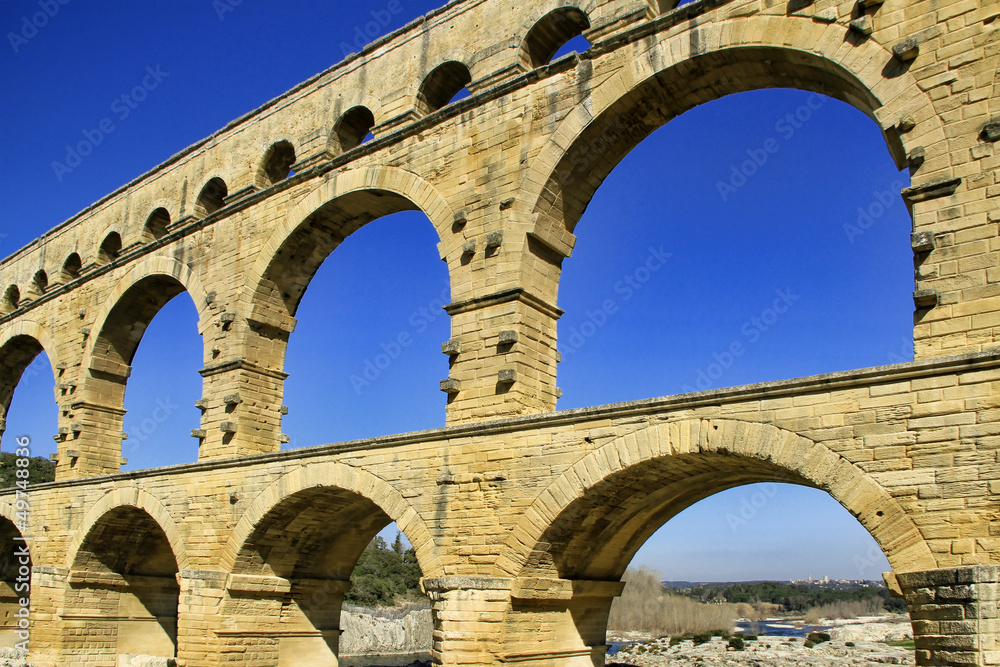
644, 606
808, 644
818, 637
736, 643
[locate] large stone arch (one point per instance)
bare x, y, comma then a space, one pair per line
20, 345
670, 74
292, 553
708, 455
339, 476
402, 190
130, 497
146, 270
127, 311
123, 562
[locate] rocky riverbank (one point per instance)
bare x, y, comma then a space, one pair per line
765, 651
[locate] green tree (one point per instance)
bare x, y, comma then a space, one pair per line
384, 576
39, 470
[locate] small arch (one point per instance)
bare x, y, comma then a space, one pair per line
552, 32
111, 248
442, 85
353, 128
277, 165
212, 198
11, 299
40, 283
71, 268
156, 226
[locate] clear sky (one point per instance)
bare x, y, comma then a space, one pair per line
735, 246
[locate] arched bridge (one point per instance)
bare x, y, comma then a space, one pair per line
523, 518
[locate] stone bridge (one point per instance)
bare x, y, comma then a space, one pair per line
523, 518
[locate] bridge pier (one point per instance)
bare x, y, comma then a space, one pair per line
954, 614
468, 618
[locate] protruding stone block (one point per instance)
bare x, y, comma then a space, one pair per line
232, 399
916, 157
284, 438
201, 404
228, 427
991, 131
507, 376
922, 241
907, 50
508, 337
449, 386
862, 25
284, 409
906, 124
199, 433
450, 347
494, 240
468, 248
925, 298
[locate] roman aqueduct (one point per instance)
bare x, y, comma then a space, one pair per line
242, 557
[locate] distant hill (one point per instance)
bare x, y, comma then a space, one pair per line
39, 470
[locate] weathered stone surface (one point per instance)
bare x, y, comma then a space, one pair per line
512, 494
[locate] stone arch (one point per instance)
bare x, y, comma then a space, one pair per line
338, 477
141, 500
124, 562
155, 226
276, 162
704, 456
181, 279
109, 246
442, 81
351, 127
291, 555
548, 32
354, 198
211, 195
20, 344
708, 62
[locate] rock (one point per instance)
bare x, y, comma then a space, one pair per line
766, 651
403, 632
872, 632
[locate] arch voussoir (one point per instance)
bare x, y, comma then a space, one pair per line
805, 461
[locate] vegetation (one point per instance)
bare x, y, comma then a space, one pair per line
845, 609
645, 606
39, 470
795, 597
385, 576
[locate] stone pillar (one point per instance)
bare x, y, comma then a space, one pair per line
954, 614
241, 410
559, 622
468, 618
198, 607
48, 585
503, 354
269, 621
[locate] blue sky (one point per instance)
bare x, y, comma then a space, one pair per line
737, 248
